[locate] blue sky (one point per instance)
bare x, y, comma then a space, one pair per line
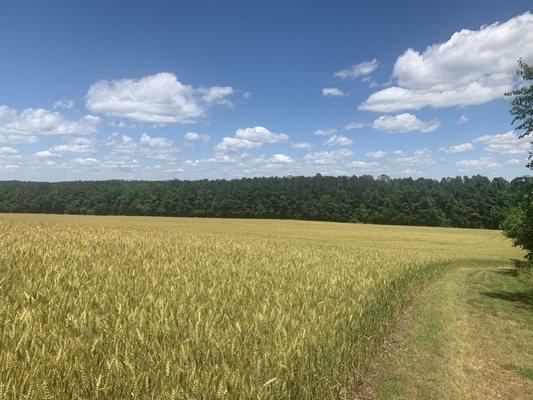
194, 89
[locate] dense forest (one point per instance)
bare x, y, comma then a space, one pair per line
474, 202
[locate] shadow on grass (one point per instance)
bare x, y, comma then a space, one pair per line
515, 297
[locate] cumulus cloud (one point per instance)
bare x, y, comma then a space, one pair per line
338, 140
157, 148
193, 137
217, 95
409, 159
404, 123
515, 161
250, 138
46, 154
86, 162
25, 126
333, 92
365, 165
472, 67
72, 148
459, 148
235, 144
18, 139
325, 132
327, 157
281, 159
353, 125
159, 98
376, 154
260, 134
481, 163
362, 69
8, 151
121, 163
505, 143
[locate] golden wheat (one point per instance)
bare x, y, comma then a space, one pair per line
155, 308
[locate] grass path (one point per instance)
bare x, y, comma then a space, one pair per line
469, 336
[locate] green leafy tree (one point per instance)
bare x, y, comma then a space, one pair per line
518, 224
522, 103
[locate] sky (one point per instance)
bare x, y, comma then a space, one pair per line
93, 90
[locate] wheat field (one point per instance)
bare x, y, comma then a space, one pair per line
177, 308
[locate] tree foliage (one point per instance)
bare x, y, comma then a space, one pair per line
522, 103
470, 202
518, 224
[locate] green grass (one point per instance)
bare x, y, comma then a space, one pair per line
469, 336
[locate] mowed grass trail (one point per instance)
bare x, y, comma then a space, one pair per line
176, 308
469, 336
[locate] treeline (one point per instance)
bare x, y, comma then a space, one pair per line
473, 202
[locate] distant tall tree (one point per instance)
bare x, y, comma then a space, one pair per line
522, 104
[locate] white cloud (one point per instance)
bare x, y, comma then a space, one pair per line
155, 142
361, 69
157, 148
71, 148
399, 99
327, 157
234, 144
250, 138
404, 123
46, 154
18, 139
81, 140
121, 163
193, 137
338, 140
261, 134
481, 163
217, 95
66, 104
218, 158
9, 167
302, 145
333, 92
365, 165
158, 98
25, 126
8, 151
281, 159
325, 132
459, 148
376, 154
87, 162
505, 143
515, 161
407, 159
463, 119
471, 68
353, 125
